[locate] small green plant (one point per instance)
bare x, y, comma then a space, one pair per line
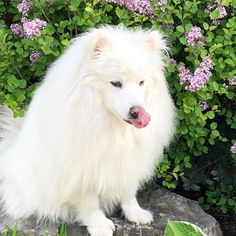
10, 231
62, 230
182, 228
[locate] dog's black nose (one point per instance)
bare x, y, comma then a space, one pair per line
133, 112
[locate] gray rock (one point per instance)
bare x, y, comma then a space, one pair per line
164, 204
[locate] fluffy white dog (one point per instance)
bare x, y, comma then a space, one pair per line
94, 131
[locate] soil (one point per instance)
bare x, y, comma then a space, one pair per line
227, 222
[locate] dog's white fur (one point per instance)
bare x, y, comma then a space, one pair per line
73, 154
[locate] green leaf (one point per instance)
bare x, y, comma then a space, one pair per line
175, 176
188, 27
22, 84
21, 97
176, 169
215, 14
222, 91
192, 101
121, 13
213, 27
205, 26
210, 114
230, 95
184, 130
180, 28
190, 143
213, 125
215, 86
74, 5
181, 228
183, 40
215, 133
65, 42
211, 141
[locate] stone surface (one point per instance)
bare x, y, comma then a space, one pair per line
164, 204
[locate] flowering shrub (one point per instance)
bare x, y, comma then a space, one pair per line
194, 36
201, 73
199, 78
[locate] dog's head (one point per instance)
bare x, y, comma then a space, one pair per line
122, 64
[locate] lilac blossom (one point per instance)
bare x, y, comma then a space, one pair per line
229, 82
233, 148
222, 11
161, 2
24, 7
232, 81
198, 79
203, 105
139, 6
173, 61
32, 28
34, 56
171, 26
225, 85
194, 36
220, 8
17, 30
184, 75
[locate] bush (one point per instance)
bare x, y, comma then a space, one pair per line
201, 74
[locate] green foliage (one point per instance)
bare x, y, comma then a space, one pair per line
62, 230
219, 196
9, 231
200, 158
180, 228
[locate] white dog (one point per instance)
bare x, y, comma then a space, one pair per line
94, 131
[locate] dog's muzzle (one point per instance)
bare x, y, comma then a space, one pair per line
138, 117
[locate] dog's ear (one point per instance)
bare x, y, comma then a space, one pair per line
156, 42
101, 43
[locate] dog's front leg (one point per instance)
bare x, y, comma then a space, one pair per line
92, 216
134, 213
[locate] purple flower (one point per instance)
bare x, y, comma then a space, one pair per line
225, 85
17, 30
34, 56
173, 61
25, 6
232, 81
139, 6
199, 78
161, 2
229, 82
194, 36
233, 148
184, 75
216, 22
171, 26
203, 105
32, 28
222, 12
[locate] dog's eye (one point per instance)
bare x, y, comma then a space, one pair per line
117, 84
141, 83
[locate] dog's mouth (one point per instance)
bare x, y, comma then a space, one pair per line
140, 120
128, 121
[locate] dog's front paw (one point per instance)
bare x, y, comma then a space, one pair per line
140, 216
104, 228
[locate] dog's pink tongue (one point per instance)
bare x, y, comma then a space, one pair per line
142, 120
